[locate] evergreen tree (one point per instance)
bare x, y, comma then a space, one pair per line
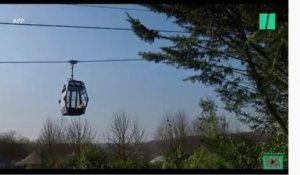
248, 67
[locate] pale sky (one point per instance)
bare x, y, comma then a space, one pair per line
29, 93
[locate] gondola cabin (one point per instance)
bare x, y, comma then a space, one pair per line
74, 98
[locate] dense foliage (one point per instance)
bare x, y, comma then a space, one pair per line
248, 67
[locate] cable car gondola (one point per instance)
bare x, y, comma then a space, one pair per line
74, 97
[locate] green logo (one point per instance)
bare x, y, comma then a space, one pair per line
273, 161
267, 21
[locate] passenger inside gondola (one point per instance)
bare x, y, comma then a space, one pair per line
74, 99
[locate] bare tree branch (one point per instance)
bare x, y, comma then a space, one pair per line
125, 137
